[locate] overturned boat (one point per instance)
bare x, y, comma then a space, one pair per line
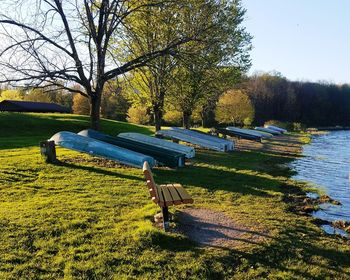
250, 132
142, 138
204, 143
165, 157
276, 128
240, 135
94, 147
203, 135
271, 131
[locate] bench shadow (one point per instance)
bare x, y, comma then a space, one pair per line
247, 160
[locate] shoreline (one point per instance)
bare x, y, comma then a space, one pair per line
306, 203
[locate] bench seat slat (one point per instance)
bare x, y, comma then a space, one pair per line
161, 200
176, 198
167, 196
185, 197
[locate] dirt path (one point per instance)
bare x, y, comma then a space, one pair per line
215, 229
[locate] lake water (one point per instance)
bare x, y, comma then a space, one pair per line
326, 163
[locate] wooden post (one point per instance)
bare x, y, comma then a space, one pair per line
48, 151
165, 214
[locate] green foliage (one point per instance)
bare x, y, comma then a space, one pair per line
173, 117
194, 73
248, 121
39, 95
217, 62
281, 124
11, 94
298, 126
50, 95
290, 126
138, 115
234, 107
114, 105
81, 105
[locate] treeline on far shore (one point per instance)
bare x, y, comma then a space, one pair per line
311, 104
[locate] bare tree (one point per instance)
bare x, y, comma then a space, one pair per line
63, 43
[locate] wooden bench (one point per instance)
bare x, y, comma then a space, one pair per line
165, 195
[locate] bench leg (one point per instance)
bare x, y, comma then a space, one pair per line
48, 151
165, 214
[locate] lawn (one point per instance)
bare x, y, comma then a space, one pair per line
85, 219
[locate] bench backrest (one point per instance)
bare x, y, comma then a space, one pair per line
147, 172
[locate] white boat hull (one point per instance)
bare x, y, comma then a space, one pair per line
228, 143
175, 135
276, 128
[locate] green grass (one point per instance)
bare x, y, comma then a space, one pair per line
83, 220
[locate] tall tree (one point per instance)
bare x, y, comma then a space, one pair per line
202, 67
45, 42
199, 19
152, 30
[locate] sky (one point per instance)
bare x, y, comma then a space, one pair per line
304, 40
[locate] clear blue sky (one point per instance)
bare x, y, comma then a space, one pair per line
302, 39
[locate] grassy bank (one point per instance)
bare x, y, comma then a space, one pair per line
91, 220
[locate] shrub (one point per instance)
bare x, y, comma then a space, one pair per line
173, 117
298, 126
295, 126
138, 115
280, 124
247, 121
233, 107
11, 94
81, 105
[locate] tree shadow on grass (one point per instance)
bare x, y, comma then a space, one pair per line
94, 169
216, 179
299, 243
274, 165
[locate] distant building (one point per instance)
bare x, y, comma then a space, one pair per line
34, 107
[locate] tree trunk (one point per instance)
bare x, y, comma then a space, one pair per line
203, 116
95, 104
158, 107
158, 116
186, 118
